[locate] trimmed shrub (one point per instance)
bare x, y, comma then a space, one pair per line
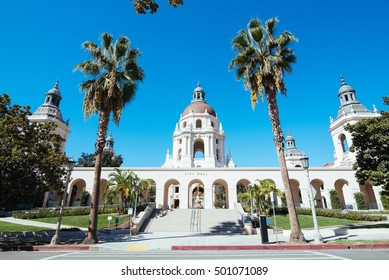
335, 201
385, 199
73, 211
357, 216
344, 215
360, 200
84, 198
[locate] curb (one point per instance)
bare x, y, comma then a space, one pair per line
83, 247
282, 247
61, 248
6, 248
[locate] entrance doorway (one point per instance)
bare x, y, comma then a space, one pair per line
197, 195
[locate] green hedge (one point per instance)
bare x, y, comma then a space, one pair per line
45, 212
360, 200
73, 211
351, 215
385, 199
335, 201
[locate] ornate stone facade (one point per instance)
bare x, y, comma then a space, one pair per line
198, 167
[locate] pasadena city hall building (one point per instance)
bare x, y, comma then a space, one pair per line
198, 163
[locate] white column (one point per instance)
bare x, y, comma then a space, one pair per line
304, 197
376, 191
209, 145
159, 196
184, 202
208, 196
232, 196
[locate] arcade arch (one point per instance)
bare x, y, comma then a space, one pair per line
370, 198
103, 187
296, 192
220, 194
319, 200
196, 194
171, 194
148, 190
339, 185
75, 192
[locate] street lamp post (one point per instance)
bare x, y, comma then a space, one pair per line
56, 238
274, 215
137, 187
251, 201
305, 163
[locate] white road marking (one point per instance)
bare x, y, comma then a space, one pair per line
328, 255
58, 256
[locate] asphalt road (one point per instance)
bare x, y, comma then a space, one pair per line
200, 255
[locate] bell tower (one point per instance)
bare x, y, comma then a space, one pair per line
49, 112
292, 154
109, 142
350, 112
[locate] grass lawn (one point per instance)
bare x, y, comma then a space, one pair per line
11, 227
82, 221
306, 221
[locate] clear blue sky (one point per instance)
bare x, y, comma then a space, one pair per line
41, 43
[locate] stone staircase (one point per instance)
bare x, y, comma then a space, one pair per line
193, 221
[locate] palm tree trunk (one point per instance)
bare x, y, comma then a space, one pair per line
296, 234
94, 211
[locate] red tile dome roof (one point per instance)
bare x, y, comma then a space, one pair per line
199, 107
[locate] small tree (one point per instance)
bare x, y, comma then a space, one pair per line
28, 168
385, 199
84, 198
283, 199
370, 143
335, 201
260, 195
109, 159
220, 195
360, 200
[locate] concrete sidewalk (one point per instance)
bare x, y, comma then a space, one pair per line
117, 240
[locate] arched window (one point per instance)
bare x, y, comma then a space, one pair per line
198, 124
198, 148
179, 154
343, 142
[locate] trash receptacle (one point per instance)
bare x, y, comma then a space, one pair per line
263, 230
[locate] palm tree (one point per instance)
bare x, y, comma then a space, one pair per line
144, 190
261, 62
260, 193
121, 182
265, 189
112, 77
